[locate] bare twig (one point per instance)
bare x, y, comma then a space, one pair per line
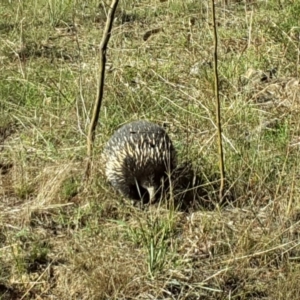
98, 102
218, 106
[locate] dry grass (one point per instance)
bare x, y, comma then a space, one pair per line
62, 240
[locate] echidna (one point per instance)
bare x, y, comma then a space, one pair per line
138, 156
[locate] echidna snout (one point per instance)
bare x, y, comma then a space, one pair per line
146, 189
138, 156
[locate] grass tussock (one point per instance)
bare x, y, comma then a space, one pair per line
60, 238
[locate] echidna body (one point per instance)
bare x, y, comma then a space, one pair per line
138, 156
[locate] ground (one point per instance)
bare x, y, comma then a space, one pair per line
63, 238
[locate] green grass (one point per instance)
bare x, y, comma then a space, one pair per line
62, 239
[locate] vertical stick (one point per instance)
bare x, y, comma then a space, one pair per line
98, 102
218, 106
